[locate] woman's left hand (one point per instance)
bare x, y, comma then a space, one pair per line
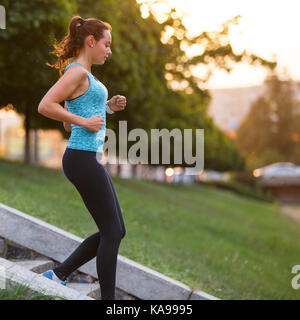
117, 103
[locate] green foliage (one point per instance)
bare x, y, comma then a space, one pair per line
26, 43
270, 131
25, 46
217, 52
136, 69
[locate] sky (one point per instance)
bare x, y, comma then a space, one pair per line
267, 28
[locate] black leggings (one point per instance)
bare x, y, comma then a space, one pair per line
94, 184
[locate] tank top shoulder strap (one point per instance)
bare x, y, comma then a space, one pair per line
70, 64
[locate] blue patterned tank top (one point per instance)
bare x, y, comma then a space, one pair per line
92, 102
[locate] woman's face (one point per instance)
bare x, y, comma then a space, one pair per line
101, 49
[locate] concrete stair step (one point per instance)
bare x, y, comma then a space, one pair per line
12, 275
41, 265
38, 265
90, 289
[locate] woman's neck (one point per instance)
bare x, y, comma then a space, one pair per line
85, 63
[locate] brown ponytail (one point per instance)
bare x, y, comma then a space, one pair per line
71, 44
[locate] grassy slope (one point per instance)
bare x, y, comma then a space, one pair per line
209, 239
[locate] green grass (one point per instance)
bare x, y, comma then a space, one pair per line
22, 292
210, 239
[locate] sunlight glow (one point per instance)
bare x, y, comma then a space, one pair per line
145, 11
266, 28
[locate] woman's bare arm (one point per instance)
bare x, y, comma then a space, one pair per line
50, 104
63, 89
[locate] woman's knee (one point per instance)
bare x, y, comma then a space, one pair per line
113, 236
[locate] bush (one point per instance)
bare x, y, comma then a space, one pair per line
245, 177
243, 189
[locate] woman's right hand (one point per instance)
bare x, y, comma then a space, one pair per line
94, 123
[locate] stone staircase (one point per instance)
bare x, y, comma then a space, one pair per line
83, 286
24, 266
27, 273
30, 246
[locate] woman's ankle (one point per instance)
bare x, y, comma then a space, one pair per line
59, 275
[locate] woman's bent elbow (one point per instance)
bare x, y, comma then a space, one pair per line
41, 109
43, 106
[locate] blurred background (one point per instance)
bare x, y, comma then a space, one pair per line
229, 67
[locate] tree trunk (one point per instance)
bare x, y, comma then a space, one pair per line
27, 158
36, 146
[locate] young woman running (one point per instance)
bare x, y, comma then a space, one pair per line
87, 42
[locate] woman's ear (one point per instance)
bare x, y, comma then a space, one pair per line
90, 40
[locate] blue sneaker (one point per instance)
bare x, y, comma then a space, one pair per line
52, 276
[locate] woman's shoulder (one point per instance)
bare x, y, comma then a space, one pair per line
75, 71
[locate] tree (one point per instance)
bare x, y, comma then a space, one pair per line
25, 47
216, 50
271, 130
140, 67
142, 62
